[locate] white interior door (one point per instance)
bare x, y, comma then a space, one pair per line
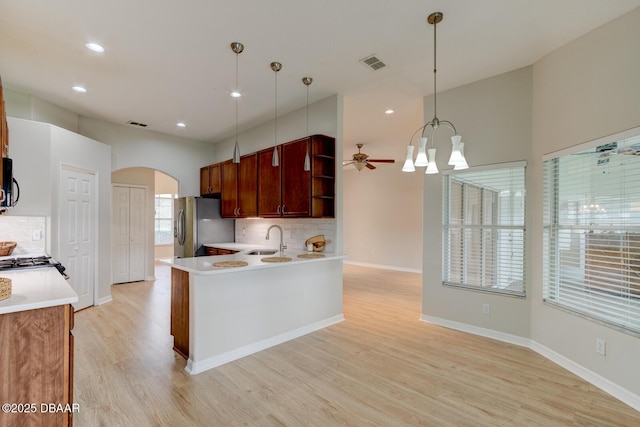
77, 242
136, 233
120, 233
128, 233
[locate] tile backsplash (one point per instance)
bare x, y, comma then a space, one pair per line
28, 232
296, 231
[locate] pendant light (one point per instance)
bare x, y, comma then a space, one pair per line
307, 160
275, 66
237, 48
457, 159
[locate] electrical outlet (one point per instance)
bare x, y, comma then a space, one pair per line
601, 346
37, 235
244, 231
486, 309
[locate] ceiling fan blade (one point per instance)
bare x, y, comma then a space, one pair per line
369, 166
347, 162
381, 160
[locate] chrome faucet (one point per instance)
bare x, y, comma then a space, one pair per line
282, 245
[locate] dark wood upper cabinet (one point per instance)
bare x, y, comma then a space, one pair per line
239, 185
256, 188
210, 180
269, 179
296, 182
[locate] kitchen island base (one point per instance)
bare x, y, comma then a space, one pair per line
240, 311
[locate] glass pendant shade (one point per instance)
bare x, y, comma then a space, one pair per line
359, 165
432, 167
421, 158
456, 156
408, 163
463, 163
307, 162
236, 153
275, 161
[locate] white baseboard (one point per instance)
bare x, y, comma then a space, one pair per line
104, 300
383, 267
212, 362
597, 380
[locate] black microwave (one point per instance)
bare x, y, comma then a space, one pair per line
8, 197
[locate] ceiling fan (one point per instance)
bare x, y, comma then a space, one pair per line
361, 160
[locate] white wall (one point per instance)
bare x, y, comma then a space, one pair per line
584, 90
131, 147
494, 118
383, 207
38, 151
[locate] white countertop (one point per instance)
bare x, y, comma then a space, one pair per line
36, 288
204, 264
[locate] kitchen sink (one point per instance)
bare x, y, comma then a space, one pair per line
262, 252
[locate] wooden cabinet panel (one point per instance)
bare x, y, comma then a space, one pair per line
37, 364
229, 193
210, 180
239, 187
248, 186
180, 311
269, 192
255, 188
296, 182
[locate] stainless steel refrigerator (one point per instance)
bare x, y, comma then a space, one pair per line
196, 221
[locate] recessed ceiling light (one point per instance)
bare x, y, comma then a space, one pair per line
181, 125
236, 94
95, 47
79, 89
389, 111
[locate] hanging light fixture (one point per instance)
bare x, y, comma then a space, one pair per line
275, 66
457, 159
237, 48
307, 160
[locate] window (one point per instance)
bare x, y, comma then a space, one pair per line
164, 219
592, 231
484, 227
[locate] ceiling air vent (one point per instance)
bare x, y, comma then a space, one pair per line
132, 123
373, 62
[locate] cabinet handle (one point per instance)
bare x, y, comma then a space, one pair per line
283, 211
278, 210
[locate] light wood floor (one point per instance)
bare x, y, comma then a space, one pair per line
380, 367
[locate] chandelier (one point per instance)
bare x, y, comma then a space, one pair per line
427, 157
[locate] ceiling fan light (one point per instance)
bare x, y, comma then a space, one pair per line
432, 167
359, 165
421, 159
462, 164
408, 163
456, 155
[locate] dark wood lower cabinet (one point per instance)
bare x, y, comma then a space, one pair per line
36, 367
180, 311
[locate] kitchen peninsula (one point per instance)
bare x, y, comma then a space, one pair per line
220, 314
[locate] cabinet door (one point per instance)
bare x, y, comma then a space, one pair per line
296, 182
268, 185
229, 189
248, 185
214, 179
205, 182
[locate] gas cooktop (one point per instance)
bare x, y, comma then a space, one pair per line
30, 261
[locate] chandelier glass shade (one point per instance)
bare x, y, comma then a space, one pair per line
427, 156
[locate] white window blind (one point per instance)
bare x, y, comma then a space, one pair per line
484, 229
592, 232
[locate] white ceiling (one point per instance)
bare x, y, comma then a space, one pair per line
168, 60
